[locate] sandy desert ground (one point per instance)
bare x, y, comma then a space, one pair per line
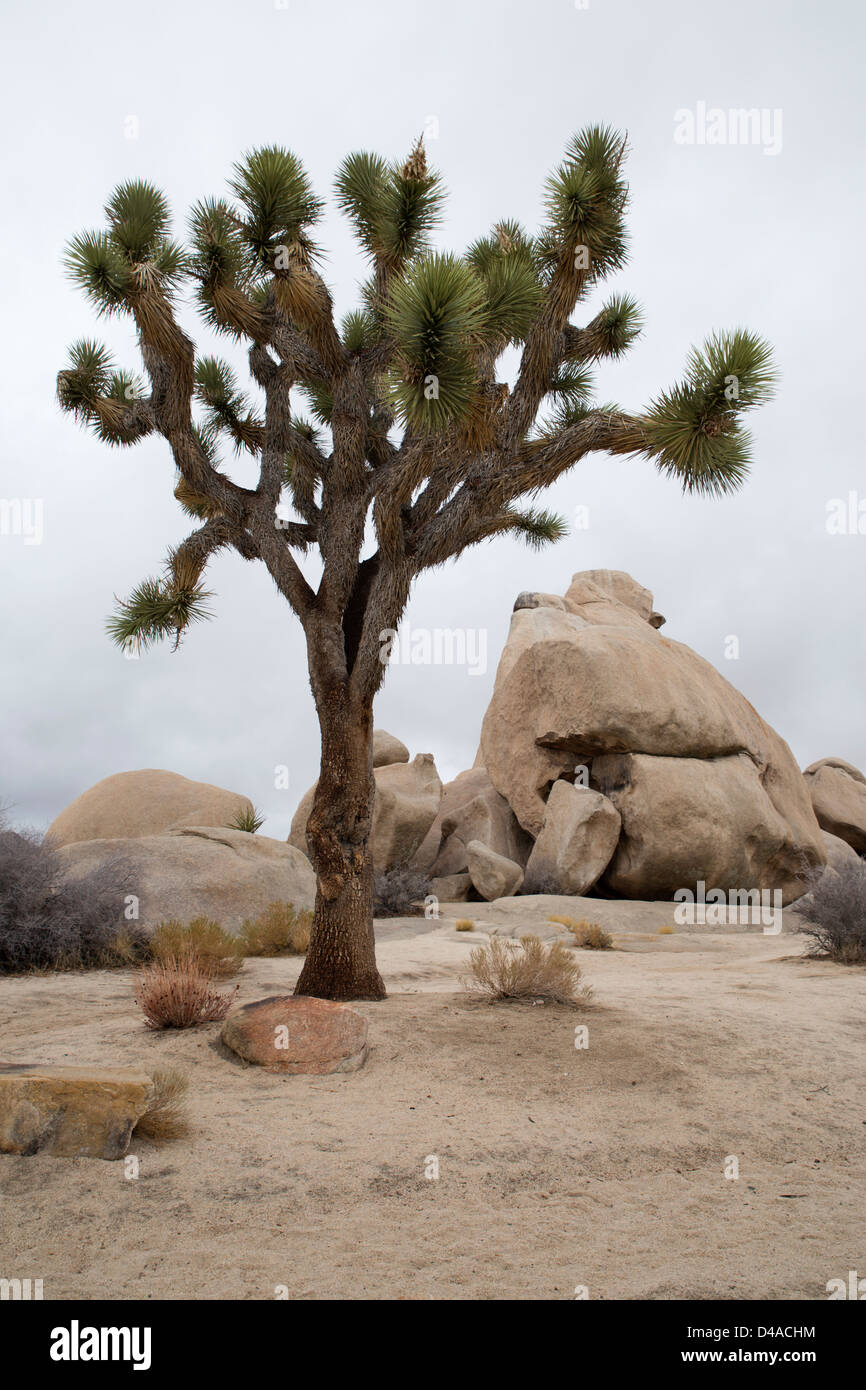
601, 1167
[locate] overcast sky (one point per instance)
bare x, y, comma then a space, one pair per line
768, 235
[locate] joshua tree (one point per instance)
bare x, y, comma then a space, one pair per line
415, 450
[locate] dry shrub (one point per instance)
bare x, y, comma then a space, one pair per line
527, 969
464, 924
278, 931
666, 931
589, 935
166, 1115
178, 993
398, 892
834, 913
217, 953
52, 921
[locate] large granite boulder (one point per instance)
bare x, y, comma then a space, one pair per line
492, 875
144, 803
70, 1112
838, 794
406, 804
286, 1033
704, 787
387, 749
577, 841
471, 809
201, 871
839, 852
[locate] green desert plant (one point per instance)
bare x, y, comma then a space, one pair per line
527, 970
177, 993
833, 913
166, 1114
249, 819
418, 448
215, 951
281, 930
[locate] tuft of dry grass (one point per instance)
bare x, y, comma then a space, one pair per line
464, 924
586, 934
666, 931
527, 969
178, 993
278, 931
166, 1113
217, 953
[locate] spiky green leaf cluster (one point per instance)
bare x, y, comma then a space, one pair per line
98, 267
436, 314
571, 391
138, 218
535, 526
586, 202
507, 265
278, 202
86, 378
321, 401
621, 322
392, 210
220, 257
359, 330
154, 610
225, 404
111, 265
693, 431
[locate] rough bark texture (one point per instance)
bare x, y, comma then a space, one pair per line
341, 960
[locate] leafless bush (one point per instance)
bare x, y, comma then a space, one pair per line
166, 1115
397, 892
833, 914
177, 993
527, 970
49, 921
281, 930
541, 882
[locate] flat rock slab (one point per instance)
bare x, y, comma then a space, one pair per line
286, 1033
70, 1112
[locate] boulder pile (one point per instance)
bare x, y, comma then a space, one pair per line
612, 760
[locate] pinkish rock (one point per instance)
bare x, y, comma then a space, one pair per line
288, 1033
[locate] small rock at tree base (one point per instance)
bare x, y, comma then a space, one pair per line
290, 1033
70, 1112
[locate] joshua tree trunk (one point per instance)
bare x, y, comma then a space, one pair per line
341, 960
